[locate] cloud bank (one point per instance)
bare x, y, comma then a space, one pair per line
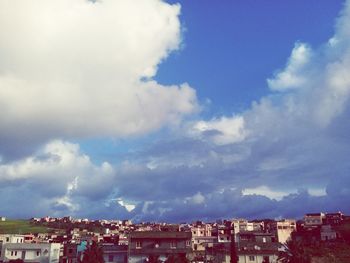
286, 155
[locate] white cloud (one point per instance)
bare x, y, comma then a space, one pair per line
287, 141
60, 173
74, 68
317, 192
196, 199
224, 130
128, 207
266, 191
292, 76
284, 141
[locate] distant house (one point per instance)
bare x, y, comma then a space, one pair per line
313, 219
249, 252
11, 238
257, 247
161, 245
2, 218
328, 233
283, 229
333, 218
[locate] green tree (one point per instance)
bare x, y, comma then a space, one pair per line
93, 254
295, 252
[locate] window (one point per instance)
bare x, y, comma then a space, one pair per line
15, 253
173, 244
251, 258
11, 253
7, 239
188, 243
138, 244
38, 253
110, 258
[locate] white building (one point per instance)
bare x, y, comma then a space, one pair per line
284, 229
11, 238
40, 253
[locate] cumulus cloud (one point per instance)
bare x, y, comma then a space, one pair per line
289, 148
293, 76
222, 130
61, 180
80, 68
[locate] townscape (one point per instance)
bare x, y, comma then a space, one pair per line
318, 237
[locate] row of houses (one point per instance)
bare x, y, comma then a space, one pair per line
258, 241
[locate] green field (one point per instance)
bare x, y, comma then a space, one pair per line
21, 227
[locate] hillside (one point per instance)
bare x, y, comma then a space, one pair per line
21, 227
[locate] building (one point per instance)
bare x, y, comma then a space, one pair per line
113, 253
12, 238
39, 253
70, 253
257, 247
313, 219
333, 218
328, 233
156, 244
283, 229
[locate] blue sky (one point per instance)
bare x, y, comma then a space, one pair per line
231, 47
175, 110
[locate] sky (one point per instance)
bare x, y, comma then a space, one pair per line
174, 111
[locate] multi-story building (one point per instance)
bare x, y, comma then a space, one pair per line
113, 253
153, 244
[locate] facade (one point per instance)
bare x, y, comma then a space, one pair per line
313, 219
70, 254
155, 244
11, 238
333, 218
283, 229
113, 253
38, 253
